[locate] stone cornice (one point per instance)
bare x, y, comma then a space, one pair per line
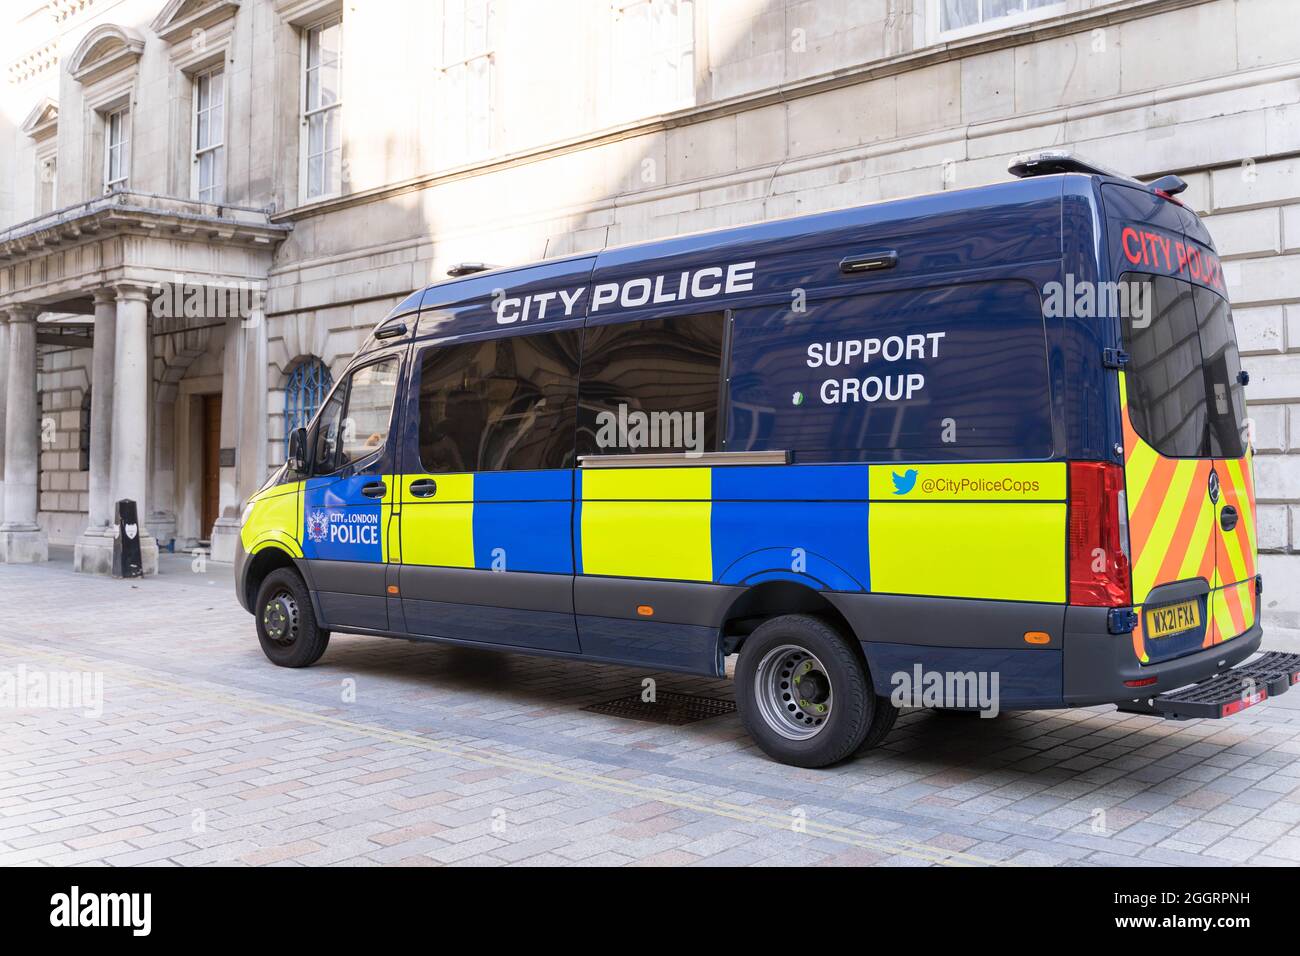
43, 121
173, 24
34, 62
62, 10
105, 50
140, 214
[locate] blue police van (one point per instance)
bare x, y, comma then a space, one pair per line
891, 455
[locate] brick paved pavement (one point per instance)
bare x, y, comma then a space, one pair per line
398, 752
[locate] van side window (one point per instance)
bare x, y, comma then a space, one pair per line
505, 404
370, 409
354, 422
327, 431
651, 386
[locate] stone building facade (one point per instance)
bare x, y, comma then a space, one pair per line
313, 161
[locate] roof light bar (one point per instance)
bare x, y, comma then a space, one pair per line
467, 269
1050, 161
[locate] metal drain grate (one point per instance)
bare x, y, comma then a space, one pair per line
667, 708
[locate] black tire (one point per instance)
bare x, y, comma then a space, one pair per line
882, 722
286, 623
765, 677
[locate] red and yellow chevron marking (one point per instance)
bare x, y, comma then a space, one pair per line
1140, 637
1235, 603
1233, 611
1171, 519
1236, 553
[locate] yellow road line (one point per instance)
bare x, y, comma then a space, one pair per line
722, 808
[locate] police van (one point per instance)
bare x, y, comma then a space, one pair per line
986, 443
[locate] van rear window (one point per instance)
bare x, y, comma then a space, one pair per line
1184, 398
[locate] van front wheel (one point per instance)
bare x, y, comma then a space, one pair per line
286, 623
803, 692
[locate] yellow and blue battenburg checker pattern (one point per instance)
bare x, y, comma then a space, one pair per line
504, 521
984, 530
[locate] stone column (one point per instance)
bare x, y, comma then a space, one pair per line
4, 397
21, 539
252, 413
225, 531
162, 474
132, 369
93, 552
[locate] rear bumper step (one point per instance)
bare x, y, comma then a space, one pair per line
1268, 675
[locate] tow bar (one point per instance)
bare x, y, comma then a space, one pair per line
1268, 675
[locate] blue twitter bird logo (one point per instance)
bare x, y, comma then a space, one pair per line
905, 482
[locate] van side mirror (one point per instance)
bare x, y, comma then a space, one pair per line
298, 450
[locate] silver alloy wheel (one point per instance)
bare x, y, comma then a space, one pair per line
793, 692
280, 618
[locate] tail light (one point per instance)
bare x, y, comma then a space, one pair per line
1099, 560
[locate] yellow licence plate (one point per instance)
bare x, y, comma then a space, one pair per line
1173, 618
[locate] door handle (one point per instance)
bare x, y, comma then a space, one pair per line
376, 489
1228, 518
424, 488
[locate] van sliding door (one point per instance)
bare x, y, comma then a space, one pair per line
487, 490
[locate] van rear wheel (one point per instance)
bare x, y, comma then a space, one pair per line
804, 694
286, 623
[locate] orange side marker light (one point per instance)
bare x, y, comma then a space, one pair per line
1037, 637
645, 610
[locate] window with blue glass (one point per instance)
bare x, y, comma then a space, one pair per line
309, 383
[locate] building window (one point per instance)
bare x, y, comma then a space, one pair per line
952, 19
652, 58
465, 83
309, 383
117, 149
323, 108
210, 136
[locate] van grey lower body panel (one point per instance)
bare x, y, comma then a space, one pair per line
904, 636
509, 608
1097, 663
349, 593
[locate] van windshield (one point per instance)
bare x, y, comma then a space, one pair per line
1184, 396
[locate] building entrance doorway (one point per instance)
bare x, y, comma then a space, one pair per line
211, 480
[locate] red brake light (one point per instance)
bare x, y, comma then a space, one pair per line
1099, 564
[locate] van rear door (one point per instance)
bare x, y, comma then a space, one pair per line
1167, 473
1234, 609
1183, 417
